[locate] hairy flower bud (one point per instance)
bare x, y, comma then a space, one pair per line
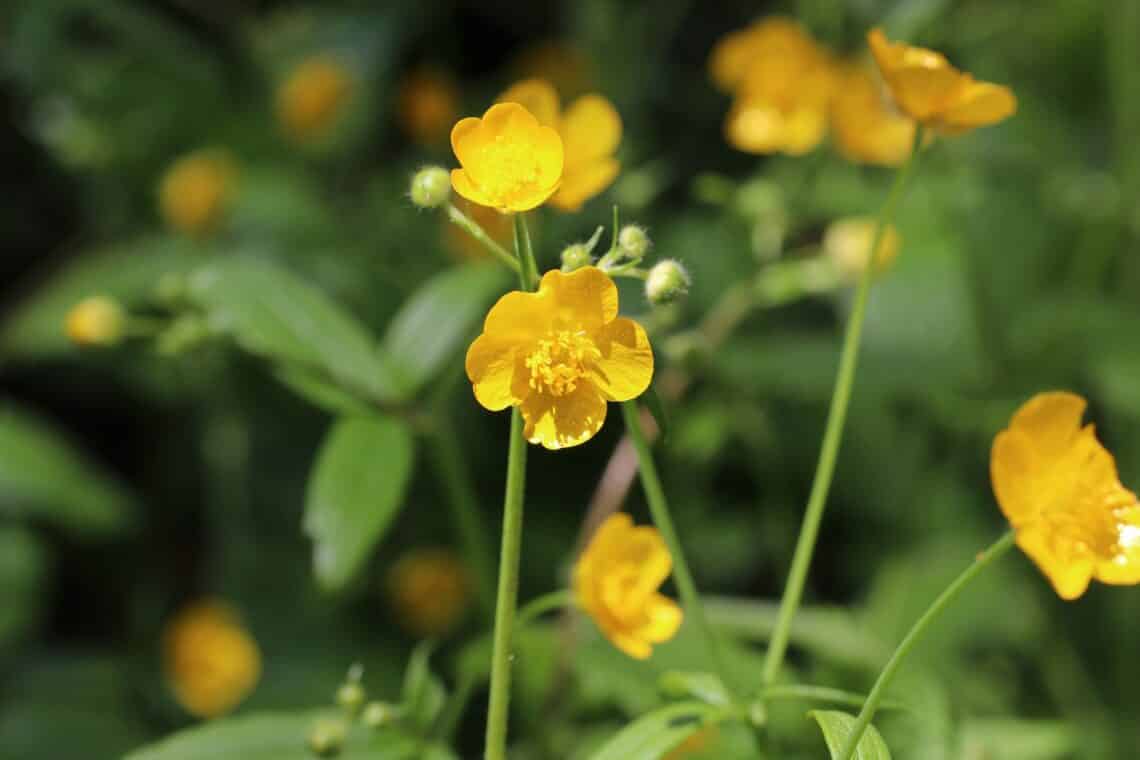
431, 187
378, 714
634, 241
576, 256
667, 282
326, 739
350, 696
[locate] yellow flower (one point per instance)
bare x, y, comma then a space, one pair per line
865, 128
1058, 487
564, 66
193, 193
430, 591
427, 105
783, 82
616, 581
211, 661
312, 97
96, 321
928, 89
509, 161
590, 130
559, 355
847, 242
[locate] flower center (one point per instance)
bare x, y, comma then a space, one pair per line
510, 167
560, 360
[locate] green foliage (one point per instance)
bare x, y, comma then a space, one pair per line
654, 734
836, 727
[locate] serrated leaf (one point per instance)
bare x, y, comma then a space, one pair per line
43, 476
654, 734
836, 726
355, 490
432, 326
272, 313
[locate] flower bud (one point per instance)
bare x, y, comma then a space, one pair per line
431, 187
378, 714
667, 282
576, 256
634, 241
326, 739
350, 696
96, 321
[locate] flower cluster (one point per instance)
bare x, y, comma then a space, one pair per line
211, 660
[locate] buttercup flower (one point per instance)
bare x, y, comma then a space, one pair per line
95, 321
1058, 487
427, 105
312, 96
783, 83
559, 355
211, 661
509, 160
195, 190
847, 242
865, 128
928, 89
616, 581
430, 591
590, 129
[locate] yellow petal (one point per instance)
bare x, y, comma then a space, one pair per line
1050, 419
519, 316
664, 618
558, 422
584, 299
731, 56
466, 138
490, 367
1123, 568
979, 104
804, 130
626, 367
755, 126
462, 184
584, 183
922, 92
536, 95
646, 549
635, 647
590, 129
1069, 575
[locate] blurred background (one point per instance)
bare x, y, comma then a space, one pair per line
154, 491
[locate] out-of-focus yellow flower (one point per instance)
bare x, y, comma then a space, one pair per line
590, 129
212, 662
567, 68
430, 591
865, 128
193, 193
616, 581
783, 82
1058, 487
509, 160
928, 89
847, 242
698, 742
427, 105
313, 96
498, 226
96, 321
559, 355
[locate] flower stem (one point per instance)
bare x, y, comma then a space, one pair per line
659, 509
541, 605
507, 598
997, 549
466, 223
829, 452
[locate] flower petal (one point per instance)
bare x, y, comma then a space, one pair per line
537, 96
466, 138
1050, 419
664, 618
626, 367
755, 126
584, 183
520, 316
922, 92
1069, 573
590, 129
490, 364
979, 104
584, 299
462, 184
558, 422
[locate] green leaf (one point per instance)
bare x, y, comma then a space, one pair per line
654, 734
129, 273
1023, 739
43, 476
440, 317
272, 313
273, 736
23, 568
356, 488
837, 725
424, 694
317, 390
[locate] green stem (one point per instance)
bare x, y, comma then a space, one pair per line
461, 220
997, 549
804, 693
528, 272
659, 509
464, 509
539, 606
449, 720
829, 452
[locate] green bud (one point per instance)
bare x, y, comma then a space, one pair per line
667, 281
634, 241
350, 696
378, 714
326, 739
431, 187
576, 256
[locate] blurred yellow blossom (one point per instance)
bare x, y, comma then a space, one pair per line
313, 96
559, 355
195, 190
866, 129
430, 590
427, 105
1058, 487
566, 67
211, 661
95, 321
782, 81
616, 581
590, 129
847, 242
497, 226
509, 161
928, 89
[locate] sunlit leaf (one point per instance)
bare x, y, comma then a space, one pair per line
836, 727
